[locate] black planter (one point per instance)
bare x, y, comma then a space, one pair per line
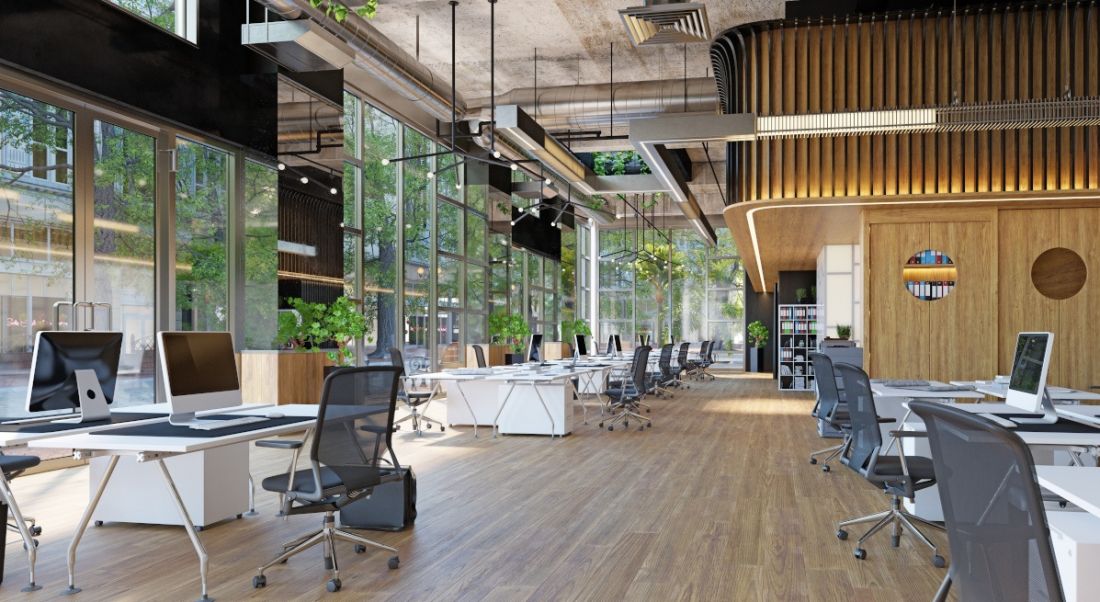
513, 358
756, 359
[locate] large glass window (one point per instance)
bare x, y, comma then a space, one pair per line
125, 204
379, 191
202, 204
616, 280
416, 207
36, 233
261, 256
177, 16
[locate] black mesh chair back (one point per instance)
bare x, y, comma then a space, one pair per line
355, 425
479, 353
992, 508
638, 367
682, 356
828, 394
664, 362
866, 438
398, 360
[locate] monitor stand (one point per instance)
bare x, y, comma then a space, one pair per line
93, 404
181, 418
1050, 415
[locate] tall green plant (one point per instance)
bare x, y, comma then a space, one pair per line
316, 324
344, 323
758, 334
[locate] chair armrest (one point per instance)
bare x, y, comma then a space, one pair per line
280, 443
909, 433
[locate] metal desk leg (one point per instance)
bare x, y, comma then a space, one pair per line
251, 496
496, 418
201, 551
28, 539
470, 409
83, 526
553, 427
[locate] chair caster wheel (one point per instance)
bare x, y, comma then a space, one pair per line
36, 530
360, 548
259, 581
442, 428
428, 426
860, 553
813, 460
641, 429
826, 468
394, 562
397, 427
333, 585
35, 544
647, 410
938, 561
610, 428
98, 523
842, 534
1062, 504
601, 425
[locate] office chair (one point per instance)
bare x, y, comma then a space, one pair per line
350, 454
11, 467
898, 476
706, 360
992, 507
695, 367
416, 398
830, 406
627, 395
666, 377
479, 354
682, 364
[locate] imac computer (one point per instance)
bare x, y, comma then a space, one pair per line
74, 371
610, 344
534, 348
618, 346
581, 347
200, 373
1027, 385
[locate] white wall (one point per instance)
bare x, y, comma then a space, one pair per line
840, 288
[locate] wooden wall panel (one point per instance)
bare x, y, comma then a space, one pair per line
1078, 362
960, 347
897, 318
921, 59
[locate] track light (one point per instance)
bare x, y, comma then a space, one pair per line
496, 154
281, 166
513, 222
385, 161
304, 180
333, 190
547, 181
514, 166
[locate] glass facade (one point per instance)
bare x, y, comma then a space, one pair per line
177, 16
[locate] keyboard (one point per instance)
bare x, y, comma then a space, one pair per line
213, 425
905, 383
1004, 422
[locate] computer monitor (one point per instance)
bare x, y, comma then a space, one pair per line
610, 344
1027, 385
618, 344
582, 345
74, 371
534, 348
199, 371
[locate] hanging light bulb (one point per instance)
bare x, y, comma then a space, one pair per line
281, 166
496, 154
333, 190
385, 161
547, 181
514, 166
304, 180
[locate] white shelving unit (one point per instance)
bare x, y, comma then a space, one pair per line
799, 327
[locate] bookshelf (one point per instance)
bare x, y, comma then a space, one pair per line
798, 331
930, 275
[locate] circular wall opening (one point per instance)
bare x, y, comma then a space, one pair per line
1059, 273
930, 275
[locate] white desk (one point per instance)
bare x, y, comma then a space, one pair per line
1079, 485
1075, 536
1000, 391
156, 449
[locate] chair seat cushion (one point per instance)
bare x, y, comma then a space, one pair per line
303, 481
889, 468
10, 464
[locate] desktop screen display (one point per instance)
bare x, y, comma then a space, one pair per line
618, 344
1029, 370
610, 344
199, 362
534, 348
582, 346
57, 357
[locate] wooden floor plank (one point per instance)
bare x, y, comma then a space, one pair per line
715, 502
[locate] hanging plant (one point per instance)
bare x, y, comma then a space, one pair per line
338, 11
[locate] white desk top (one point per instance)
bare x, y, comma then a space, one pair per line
100, 441
1000, 390
1080, 485
881, 390
1091, 439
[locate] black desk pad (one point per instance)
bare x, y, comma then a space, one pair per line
1062, 426
164, 429
58, 427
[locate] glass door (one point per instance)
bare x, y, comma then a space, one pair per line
123, 239
37, 199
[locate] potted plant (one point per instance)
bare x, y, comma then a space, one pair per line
311, 326
757, 339
513, 330
843, 331
801, 294
344, 323
571, 328
302, 328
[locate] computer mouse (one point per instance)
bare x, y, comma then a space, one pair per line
276, 415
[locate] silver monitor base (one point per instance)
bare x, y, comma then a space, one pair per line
1050, 415
93, 404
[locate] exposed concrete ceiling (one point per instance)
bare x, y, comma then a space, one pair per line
573, 39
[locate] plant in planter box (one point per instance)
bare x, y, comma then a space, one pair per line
801, 294
843, 331
757, 339
303, 328
571, 328
344, 323
511, 329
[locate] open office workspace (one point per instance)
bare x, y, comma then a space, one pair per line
532, 299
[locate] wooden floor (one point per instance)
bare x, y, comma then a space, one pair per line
716, 502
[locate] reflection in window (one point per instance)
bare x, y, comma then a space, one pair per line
261, 256
202, 203
416, 205
176, 16
379, 232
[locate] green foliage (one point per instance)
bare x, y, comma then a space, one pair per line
800, 294
758, 334
344, 323
338, 11
733, 310
844, 331
615, 163
317, 324
511, 328
569, 328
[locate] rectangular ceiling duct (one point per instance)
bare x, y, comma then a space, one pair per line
666, 22
301, 46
